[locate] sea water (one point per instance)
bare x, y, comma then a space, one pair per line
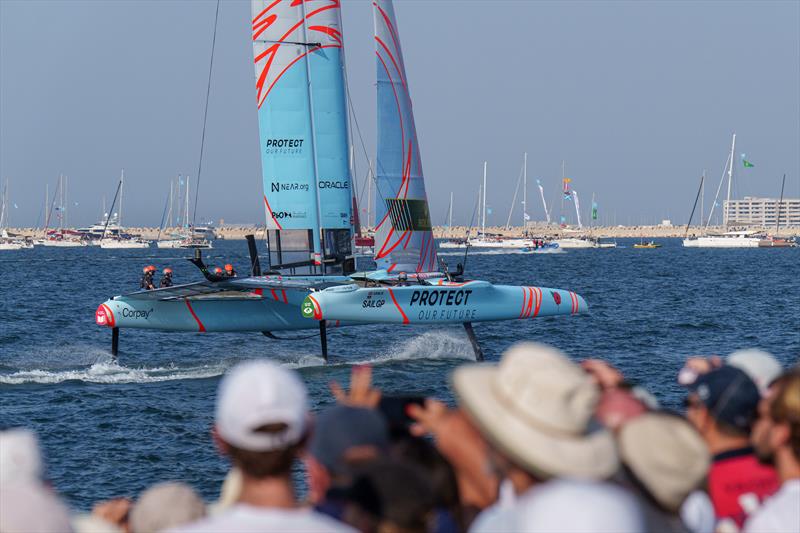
113, 428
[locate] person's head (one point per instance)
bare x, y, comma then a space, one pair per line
722, 404
20, 459
390, 496
168, 271
218, 271
664, 456
146, 269
777, 429
344, 438
228, 268
261, 418
164, 506
535, 410
32, 507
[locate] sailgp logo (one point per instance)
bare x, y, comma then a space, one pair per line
284, 146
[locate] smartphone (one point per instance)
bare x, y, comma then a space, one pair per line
394, 408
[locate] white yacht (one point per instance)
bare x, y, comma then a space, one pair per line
729, 239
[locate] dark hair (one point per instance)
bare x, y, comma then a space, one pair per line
273, 463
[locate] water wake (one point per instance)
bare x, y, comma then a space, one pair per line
432, 345
109, 372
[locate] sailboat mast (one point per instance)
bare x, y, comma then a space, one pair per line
483, 220
450, 214
525, 192
778, 214
186, 212
317, 257
121, 186
726, 209
702, 197
370, 177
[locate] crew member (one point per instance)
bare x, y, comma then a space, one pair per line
166, 279
218, 271
147, 278
229, 271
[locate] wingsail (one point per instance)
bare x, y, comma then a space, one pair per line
403, 237
297, 47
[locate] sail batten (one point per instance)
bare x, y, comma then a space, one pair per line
403, 240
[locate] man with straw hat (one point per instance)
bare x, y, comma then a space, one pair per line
534, 411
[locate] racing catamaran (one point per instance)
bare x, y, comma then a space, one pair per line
313, 279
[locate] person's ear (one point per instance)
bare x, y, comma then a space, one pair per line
780, 435
222, 446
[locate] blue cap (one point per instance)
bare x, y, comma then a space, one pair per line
339, 428
729, 395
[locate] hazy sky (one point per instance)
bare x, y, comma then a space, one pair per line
637, 97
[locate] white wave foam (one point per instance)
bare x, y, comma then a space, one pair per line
111, 373
438, 344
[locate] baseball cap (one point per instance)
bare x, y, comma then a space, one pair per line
340, 428
259, 393
761, 366
730, 396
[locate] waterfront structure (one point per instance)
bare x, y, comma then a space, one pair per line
753, 211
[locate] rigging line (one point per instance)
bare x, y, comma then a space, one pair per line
469, 230
514, 200
205, 117
298, 43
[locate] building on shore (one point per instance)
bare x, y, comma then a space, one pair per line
752, 211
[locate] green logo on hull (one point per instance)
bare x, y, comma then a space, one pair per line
307, 308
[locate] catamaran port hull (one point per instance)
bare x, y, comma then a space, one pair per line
204, 314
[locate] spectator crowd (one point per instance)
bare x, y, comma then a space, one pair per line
534, 443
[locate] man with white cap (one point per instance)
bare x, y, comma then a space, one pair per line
535, 412
262, 425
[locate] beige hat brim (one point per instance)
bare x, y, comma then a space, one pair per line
591, 456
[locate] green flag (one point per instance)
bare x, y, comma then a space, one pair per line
747, 164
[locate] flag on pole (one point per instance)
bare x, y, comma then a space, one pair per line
526, 216
747, 164
594, 210
567, 195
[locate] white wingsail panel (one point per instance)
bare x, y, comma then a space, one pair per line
403, 237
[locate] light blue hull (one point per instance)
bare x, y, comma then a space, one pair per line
207, 314
444, 303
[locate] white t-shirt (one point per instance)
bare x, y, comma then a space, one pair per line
567, 505
779, 513
247, 518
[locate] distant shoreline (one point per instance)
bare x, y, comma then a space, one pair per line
456, 232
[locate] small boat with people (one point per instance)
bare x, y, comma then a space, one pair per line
649, 245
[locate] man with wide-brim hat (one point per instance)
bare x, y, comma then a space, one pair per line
535, 412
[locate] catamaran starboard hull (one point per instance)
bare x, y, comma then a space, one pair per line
444, 303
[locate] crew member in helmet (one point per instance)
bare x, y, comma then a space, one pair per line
218, 272
229, 271
166, 279
147, 278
